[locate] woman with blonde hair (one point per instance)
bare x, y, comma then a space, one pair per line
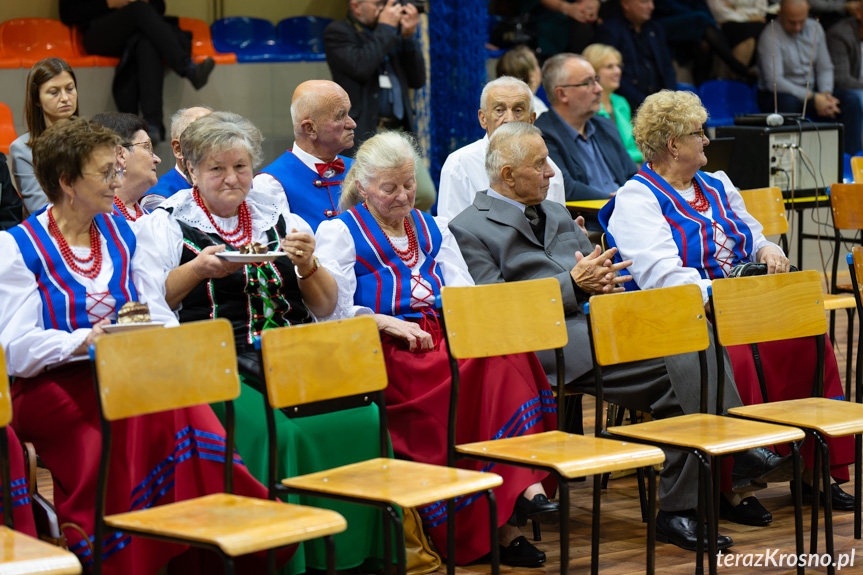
608, 63
680, 225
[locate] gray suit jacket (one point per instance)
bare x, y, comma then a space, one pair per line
498, 245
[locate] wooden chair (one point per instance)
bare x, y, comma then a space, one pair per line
21, 553
635, 326
767, 206
783, 306
331, 366
157, 369
524, 317
857, 169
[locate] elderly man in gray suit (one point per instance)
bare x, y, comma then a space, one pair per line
512, 233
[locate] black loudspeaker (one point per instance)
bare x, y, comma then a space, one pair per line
807, 157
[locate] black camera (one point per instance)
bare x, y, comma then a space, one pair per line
420, 5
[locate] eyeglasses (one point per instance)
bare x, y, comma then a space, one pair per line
699, 133
110, 175
588, 84
146, 145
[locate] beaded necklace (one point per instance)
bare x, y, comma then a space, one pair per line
242, 234
411, 255
700, 203
138, 211
69, 256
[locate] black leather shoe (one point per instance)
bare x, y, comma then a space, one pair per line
761, 464
680, 528
537, 507
198, 74
747, 512
840, 500
520, 553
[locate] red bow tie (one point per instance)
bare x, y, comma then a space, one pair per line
338, 165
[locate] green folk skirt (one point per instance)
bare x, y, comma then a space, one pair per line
307, 445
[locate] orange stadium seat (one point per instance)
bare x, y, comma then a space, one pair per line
7, 128
202, 42
33, 39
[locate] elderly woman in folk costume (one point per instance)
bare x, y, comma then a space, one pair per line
661, 218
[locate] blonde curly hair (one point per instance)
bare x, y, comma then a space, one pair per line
663, 116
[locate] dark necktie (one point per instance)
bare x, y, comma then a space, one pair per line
536, 218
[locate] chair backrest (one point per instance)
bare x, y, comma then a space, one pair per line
303, 34
158, 369
7, 128
322, 361
768, 308
857, 169
767, 206
202, 42
504, 318
647, 324
32, 39
241, 33
846, 201
855, 266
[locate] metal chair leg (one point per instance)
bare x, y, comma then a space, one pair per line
828, 501
849, 352
400, 540
228, 564
330, 546
594, 538
816, 499
563, 502
699, 517
797, 495
651, 520
493, 531
388, 544
450, 536
858, 483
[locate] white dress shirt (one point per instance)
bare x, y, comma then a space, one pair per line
463, 175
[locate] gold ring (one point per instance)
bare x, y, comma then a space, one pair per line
300, 253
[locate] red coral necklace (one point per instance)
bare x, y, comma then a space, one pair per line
411, 255
242, 234
69, 256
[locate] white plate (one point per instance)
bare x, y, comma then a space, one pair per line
239, 258
118, 327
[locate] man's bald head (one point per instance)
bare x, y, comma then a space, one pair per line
319, 112
179, 122
792, 15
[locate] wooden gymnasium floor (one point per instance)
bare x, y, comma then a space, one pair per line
622, 548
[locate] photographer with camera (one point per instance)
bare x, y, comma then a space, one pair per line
374, 55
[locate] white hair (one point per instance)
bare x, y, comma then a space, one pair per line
385, 151
181, 120
504, 82
507, 147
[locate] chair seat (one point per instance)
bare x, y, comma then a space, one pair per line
831, 417
839, 301
404, 483
237, 525
570, 455
21, 553
712, 434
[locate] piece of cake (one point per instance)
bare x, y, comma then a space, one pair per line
253, 248
134, 312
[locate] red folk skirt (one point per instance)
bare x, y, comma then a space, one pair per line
499, 397
22, 511
156, 459
789, 370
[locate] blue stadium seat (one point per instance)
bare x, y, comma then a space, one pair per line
302, 37
686, 87
725, 99
251, 39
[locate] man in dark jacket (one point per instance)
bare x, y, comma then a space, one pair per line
647, 66
373, 54
587, 148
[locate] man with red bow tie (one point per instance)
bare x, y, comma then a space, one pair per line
310, 175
